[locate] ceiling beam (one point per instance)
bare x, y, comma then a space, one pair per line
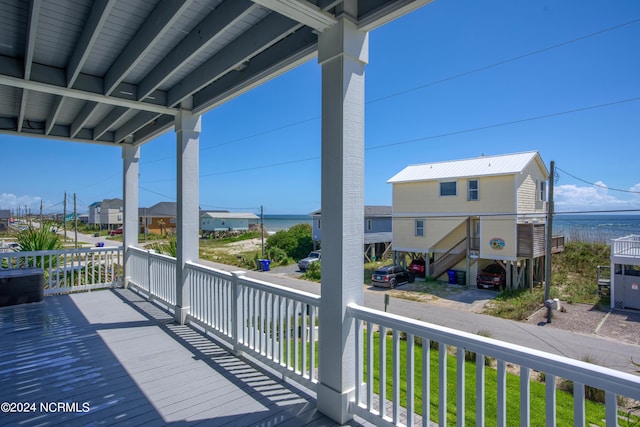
86, 92
111, 119
253, 41
296, 49
388, 13
32, 31
162, 18
53, 114
204, 34
302, 11
92, 28
134, 125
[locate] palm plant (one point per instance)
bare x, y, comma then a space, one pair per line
39, 239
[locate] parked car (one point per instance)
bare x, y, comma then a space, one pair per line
418, 267
115, 232
492, 276
304, 263
390, 276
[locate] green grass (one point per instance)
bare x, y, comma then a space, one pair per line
595, 412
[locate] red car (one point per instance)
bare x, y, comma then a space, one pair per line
492, 276
115, 232
418, 267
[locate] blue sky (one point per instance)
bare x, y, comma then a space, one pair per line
455, 79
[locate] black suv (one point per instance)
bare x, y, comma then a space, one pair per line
390, 276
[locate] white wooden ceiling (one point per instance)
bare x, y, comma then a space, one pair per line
116, 71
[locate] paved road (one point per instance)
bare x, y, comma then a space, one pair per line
608, 352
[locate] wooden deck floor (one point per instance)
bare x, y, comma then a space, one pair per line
123, 361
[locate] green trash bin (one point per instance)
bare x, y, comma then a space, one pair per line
461, 278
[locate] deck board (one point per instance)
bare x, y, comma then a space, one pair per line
133, 365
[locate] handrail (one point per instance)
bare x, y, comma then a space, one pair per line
445, 259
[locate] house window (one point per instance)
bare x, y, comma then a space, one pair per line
149, 220
449, 188
420, 227
472, 190
542, 191
369, 225
172, 220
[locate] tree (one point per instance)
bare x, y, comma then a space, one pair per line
296, 242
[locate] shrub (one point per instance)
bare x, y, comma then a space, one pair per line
313, 272
296, 242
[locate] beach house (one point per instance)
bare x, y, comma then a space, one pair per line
464, 214
377, 231
174, 341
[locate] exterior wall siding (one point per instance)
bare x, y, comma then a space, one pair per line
498, 238
528, 191
496, 194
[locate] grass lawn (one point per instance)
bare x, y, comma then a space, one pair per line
595, 412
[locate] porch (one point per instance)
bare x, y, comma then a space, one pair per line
248, 355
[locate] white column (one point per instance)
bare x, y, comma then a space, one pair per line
188, 215
342, 53
130, 160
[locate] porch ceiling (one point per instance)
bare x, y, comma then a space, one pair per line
117, 71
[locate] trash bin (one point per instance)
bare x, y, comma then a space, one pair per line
452, 276
265, 263
461, 278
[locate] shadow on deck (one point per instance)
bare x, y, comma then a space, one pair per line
112, 358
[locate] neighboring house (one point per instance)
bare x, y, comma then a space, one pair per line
625, 272
465, 214
107, 213
5, 216
240, 222
159, 218
377, 231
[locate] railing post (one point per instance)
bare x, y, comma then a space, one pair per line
236, 311
150, 294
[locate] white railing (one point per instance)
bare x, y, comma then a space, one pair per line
71, 270
154, 274
414, 340
628, 246
274, 324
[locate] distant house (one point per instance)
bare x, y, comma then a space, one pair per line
220, 222
5, 216
159, 218
465, 214
625, 272
377, 231
106, 214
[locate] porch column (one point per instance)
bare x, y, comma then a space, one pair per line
188, 211
130, 160
342, 53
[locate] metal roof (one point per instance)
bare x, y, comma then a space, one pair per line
230, 215
369, 211
118, 71
506, 164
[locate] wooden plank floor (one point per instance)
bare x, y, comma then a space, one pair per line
111, 358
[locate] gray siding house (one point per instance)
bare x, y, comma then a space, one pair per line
212, 222
377, 231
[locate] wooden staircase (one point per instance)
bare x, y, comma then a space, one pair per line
453, 256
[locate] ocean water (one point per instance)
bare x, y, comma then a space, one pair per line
274, 223
595, 228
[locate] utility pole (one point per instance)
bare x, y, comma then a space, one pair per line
547, 261
64, 217
262, 227
75, 220
41, 219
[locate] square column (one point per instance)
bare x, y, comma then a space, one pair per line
188, 210
343, 54
130, 167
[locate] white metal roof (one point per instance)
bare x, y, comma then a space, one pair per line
230, 215
118, 71
506, 164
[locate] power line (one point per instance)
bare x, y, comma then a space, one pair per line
426, 138
426, 85
506, 61
598, 185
